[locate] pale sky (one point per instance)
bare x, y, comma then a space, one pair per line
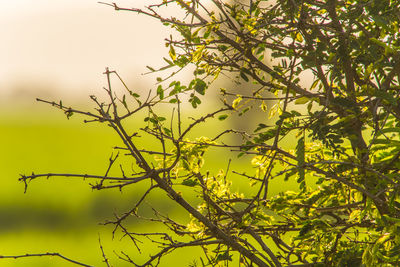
63, 46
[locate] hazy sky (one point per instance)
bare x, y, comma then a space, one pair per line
53, 46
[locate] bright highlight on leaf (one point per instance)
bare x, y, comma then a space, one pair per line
172, 53
299, 38
263, 106
236, 102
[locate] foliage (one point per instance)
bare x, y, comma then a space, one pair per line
345, 120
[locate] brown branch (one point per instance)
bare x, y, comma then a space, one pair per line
71, 110
152, 14
105, 259
51, 254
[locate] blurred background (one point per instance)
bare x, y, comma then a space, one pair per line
58, 50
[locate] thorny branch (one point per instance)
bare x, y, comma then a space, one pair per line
51, 254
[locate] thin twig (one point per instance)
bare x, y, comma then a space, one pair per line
51, 254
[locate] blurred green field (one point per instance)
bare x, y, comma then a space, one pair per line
63, 215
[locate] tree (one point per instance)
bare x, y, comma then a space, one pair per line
345, 120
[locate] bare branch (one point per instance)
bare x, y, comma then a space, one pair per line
51, 254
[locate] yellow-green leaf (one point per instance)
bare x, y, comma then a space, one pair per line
301, 100
172, 53
236, 102
299, 38
263, 106
198, 53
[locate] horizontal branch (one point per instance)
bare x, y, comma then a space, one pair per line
26, 178
71, 110
44, 255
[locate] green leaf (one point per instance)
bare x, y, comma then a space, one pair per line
224, 256
124, 102
244, 77
300, 156
172, 53
150, 68
301, 100
134, 95
260, 127
386, 96
386, 142
380, 21
199, 71
207, 33
160, 92
222, 117
153, 120
389, 130
198, 54
306, 228
167, 131
168, 61
190, 182
185, 164
222, 47
314, 84
200, 86
195, 101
